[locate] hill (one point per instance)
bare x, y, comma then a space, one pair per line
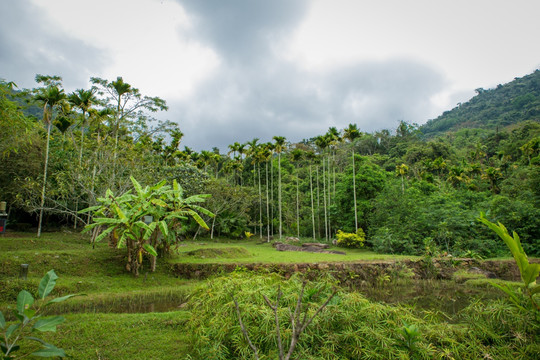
516, 101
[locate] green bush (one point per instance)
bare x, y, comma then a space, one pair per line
350, 327
351, 240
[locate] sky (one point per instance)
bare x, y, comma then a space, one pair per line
234, 70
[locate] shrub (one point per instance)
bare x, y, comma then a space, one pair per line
351, 240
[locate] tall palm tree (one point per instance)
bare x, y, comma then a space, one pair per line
82, 99
310, 155
297, 155
51, 97
322, 143
351, 133
266, 154
279, 146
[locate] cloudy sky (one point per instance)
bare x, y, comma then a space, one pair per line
233, 70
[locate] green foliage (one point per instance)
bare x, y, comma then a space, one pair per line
16, 341
350, 327
529, 272
351, 240
147, 219
508, 104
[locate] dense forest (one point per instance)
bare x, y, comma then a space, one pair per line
411, 189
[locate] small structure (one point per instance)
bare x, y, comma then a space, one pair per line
3, 217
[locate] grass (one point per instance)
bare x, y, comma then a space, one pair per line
265, 253
100, 332
123, 336
98, 273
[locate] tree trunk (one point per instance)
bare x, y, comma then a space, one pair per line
267, 206
324, 202
297, 206
279, 193
44, 179
312, 207
354, 194
260, 203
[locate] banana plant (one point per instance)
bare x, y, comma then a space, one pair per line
529, 272
165, 209
29, 321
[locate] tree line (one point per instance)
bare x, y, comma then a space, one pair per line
61, 152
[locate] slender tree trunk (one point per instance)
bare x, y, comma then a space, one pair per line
297, 206
324, 203
354, 193
329, 200
318, 202
255, 225
272, 192
279, 194
312, 207
44, 178
79, 172
267, 206
260, 203
213, 223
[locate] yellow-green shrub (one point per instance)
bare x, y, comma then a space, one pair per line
351, 240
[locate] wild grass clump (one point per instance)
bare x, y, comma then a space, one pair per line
350, 327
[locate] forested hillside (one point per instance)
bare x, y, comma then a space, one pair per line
407, 194
505, 105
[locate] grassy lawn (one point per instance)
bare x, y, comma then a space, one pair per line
254, 252
98, 273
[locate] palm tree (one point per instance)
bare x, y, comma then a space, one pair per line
402, 170
266, 154
350, 134
322, 143
82, 99
279, 143
51, 97
310, 156
297, 155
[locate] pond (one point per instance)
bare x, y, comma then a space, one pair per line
445, 296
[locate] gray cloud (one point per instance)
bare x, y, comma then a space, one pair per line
30, 45
256, 94
242, 31
288, 101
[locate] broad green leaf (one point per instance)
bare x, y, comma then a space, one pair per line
89, 209
50, 351
202, 210
11, 328
48, 324
63, 298
29, 313
199, 220
163, 228
159, 185
176, 187
121, 215
122, 241
530, 273
2, 321
104, 233
136, 185
47, 284
150, 249
24, 301
535, 290
159, 202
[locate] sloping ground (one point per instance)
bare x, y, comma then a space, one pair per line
359, 270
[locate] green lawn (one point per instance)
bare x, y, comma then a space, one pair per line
265, 253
